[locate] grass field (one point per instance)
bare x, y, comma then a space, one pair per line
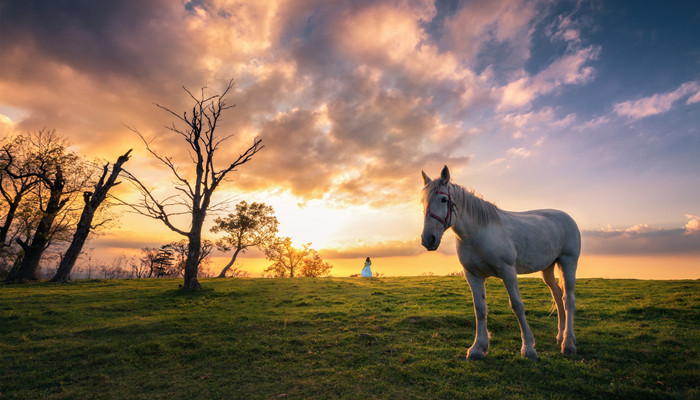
353, 338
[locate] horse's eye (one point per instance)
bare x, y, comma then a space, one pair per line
444, 200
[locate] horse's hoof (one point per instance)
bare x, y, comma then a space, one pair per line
568, 350
474, 355
530, 354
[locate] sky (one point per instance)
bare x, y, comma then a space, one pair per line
591, 107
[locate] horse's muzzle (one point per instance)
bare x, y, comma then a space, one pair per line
430, 241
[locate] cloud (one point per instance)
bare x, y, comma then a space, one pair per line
7, 126
694, 98
693, 225
658, 103
514, 153
635, 240
478, 24
644, 239
522, 124
594, 123
349, 99
569, 69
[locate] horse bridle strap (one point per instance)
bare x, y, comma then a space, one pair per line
445, 221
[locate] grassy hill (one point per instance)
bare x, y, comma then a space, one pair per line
400, 338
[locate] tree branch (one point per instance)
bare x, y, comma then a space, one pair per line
150, 207
164, 160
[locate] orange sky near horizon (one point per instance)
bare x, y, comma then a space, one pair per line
655, 267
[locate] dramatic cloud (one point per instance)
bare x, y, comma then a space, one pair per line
376, 90
644, 239
353, 99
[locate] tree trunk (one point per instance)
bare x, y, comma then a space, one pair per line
194, 248
16, 264
230, 263
32, 253
192, 263
8, 220
92, 202
71, 256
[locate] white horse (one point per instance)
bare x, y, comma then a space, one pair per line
494, 242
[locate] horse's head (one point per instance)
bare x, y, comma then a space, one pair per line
438, 207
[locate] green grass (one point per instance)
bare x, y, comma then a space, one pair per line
353, 338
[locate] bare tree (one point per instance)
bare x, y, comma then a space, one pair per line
140, 268
86, 264
116, 269
195, 190
92, 201
60, 175
253, 225
17, 178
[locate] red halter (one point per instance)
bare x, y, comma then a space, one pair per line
445, 221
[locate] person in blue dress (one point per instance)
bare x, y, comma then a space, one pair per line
367, 271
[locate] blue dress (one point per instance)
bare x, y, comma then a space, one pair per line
367, 271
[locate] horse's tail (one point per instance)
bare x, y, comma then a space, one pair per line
560, 283
553, 308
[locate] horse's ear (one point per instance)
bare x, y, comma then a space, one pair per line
426, 179
445, 176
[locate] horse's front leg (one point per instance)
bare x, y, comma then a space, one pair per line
481, 342
510, 280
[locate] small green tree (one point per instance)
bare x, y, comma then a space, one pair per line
313, 265
289, 261
253, 225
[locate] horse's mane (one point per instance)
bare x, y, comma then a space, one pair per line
480, 210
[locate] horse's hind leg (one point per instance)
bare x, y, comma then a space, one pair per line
567, 272
548, 278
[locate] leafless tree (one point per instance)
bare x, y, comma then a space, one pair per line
60, 175
17, 178
93, 200
116, 269
198, 131
86, 265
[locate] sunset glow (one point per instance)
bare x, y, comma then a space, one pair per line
587, 107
